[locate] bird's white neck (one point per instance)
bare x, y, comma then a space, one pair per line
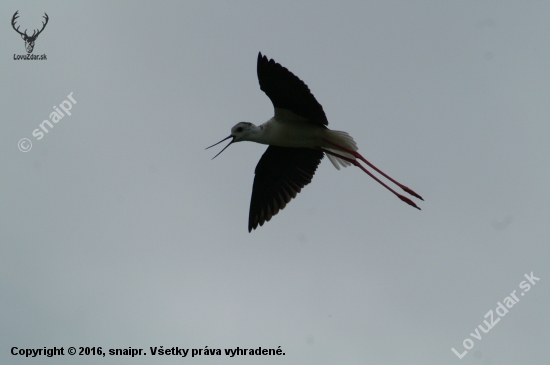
258, 134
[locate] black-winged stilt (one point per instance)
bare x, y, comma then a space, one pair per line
297, 137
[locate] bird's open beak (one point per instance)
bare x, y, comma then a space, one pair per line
224, 147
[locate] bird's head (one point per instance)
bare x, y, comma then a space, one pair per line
242, 131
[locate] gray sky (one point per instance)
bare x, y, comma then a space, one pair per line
117, 230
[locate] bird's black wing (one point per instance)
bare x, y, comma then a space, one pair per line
281, 173
287, 91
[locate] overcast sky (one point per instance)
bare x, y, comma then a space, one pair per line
118, 230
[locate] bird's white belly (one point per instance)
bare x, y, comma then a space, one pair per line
292, 135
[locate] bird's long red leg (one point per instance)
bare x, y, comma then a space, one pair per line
354, 162
358, 155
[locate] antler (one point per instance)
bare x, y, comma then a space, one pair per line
34, 34
43, 26
15, 16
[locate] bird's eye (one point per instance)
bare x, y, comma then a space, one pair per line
240, 129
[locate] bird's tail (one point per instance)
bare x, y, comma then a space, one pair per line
342, 139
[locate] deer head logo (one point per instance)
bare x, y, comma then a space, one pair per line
29, 40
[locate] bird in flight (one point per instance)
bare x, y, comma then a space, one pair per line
298, 139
